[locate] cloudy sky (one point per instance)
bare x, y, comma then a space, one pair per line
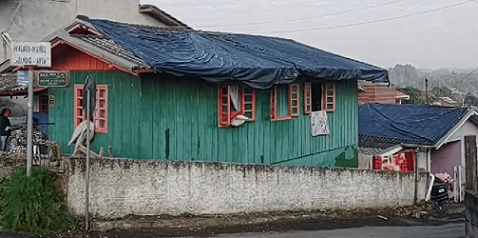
425, 33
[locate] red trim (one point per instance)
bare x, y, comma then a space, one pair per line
248, 99
329, 93
21, 92
78, 116
224, 105
79, 26
294, 100
273, 101
307, 98
101, 113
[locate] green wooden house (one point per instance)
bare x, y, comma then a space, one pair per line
186, 95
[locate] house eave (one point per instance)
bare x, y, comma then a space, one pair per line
444, 139
161, 16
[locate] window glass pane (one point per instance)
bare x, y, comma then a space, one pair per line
282, 100
316, 96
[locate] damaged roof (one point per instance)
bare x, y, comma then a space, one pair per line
257, 61
407, 123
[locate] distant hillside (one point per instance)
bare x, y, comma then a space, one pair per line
453, 83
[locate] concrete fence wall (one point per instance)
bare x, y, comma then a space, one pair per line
120, 187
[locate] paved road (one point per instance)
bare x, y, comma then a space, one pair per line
453, 230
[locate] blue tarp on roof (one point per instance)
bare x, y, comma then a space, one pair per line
258, 61
406, 123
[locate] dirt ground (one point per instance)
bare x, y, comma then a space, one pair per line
206, 226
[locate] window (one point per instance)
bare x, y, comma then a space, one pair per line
319, 97
43, 103
101, 113
40, 103
284, 102
234, 100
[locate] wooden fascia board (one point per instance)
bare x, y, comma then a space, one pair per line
444, 139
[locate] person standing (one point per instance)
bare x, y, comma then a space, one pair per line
5, 128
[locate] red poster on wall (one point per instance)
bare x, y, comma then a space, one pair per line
403, 161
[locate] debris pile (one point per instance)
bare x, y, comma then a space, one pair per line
17, 141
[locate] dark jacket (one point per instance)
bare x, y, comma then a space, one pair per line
4, 123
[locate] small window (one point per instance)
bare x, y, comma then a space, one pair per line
43, 103
101, 113
234, 100
284, 102
40, 103
318, 96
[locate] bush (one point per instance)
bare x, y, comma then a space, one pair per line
31, 204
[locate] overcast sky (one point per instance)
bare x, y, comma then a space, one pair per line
429, 38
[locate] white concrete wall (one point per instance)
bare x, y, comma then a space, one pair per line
120, 187
33, 20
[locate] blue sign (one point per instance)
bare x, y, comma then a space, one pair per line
22, 78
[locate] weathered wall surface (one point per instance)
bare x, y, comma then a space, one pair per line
120, 187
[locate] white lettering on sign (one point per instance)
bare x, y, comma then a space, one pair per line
31, 54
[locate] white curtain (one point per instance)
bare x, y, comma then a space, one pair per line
236, 98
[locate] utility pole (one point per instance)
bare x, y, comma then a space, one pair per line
426, 91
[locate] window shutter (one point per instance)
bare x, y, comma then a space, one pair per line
307, 98
294, 95
249, 103
329, 97
101, 114
224, 105
78, 113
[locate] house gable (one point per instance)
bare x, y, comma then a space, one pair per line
66, 57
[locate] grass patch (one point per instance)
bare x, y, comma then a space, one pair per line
31, 204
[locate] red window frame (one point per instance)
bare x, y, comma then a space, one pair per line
248, 104
328, 97
248, 107
101, 113
294, 100
294, 95
307, 98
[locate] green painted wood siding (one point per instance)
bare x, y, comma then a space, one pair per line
182, 125
123, 113
161, 118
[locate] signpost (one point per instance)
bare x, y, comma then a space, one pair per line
22, 77
49, 79
30, 54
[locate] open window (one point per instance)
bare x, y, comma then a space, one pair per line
318, 97
101, 113
284, 102
235, 103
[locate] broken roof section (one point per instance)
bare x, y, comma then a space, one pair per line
257, 61
407, 124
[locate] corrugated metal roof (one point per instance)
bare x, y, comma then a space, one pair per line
406, 123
